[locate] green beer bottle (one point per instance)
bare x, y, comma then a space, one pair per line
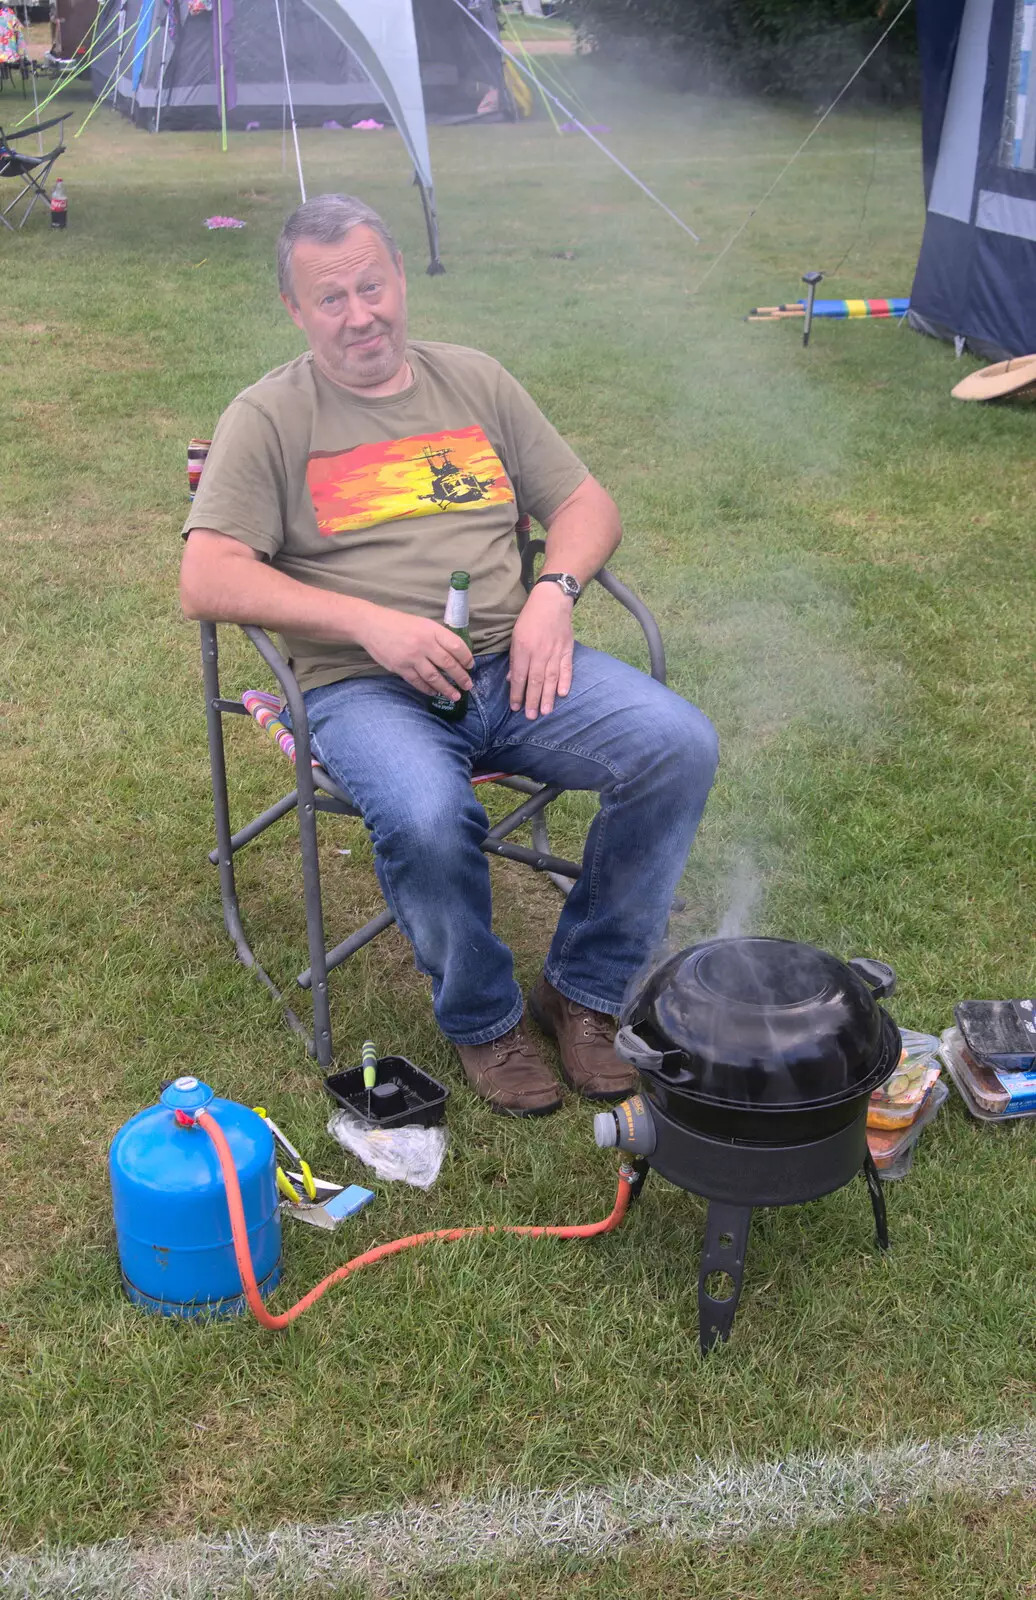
455, 618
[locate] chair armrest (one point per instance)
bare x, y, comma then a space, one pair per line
648, 626
278, 665
531, 548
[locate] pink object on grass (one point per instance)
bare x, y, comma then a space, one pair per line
368, 126
223, 222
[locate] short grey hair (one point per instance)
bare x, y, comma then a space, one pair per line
327, 218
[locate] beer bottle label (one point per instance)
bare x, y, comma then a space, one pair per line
456, 613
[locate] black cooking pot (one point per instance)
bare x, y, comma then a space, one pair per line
761, 1040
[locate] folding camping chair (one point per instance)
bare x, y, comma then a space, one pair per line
21, 67
316, 791
31, 171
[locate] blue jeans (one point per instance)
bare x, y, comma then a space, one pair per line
649, 754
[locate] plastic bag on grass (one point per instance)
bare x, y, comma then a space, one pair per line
405, 1155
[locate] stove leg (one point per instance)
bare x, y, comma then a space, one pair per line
641, 1167
726, 1239
881, 1226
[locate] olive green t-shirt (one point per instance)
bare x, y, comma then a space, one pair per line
382, 498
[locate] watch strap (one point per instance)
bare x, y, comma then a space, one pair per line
562, 579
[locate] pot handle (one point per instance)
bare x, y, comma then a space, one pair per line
629, 1047
879, 977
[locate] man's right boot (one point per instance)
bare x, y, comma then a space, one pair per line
511, 1075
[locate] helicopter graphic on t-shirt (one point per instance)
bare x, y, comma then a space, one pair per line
451, 486
420, 475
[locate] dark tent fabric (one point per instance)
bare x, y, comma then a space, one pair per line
458, 62
976, 274
167, 76
72, 22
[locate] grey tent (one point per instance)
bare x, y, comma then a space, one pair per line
184, 64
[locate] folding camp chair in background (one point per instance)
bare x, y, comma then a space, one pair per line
14, 59
29, 169
316, 791
10, 70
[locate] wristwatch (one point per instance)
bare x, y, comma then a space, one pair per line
565, 582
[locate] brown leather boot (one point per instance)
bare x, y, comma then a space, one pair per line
585, 1038
510, 1073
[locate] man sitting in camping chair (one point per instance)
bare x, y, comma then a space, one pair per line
318, 516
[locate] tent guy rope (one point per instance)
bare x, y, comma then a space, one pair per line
515, 38
548, 68
513, 59
82, 66
290, 102
114, 79
732, 241
220, 47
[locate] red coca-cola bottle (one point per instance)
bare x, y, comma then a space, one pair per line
59, 206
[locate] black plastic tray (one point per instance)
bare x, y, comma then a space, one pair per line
425, 1097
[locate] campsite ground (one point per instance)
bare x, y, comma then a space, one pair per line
840, 558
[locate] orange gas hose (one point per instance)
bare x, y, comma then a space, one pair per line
278, 1320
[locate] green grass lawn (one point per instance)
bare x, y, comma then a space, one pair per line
841, 558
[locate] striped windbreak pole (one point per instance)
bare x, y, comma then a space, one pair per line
843, 309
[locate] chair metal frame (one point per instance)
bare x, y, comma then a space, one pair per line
13, 164
316, 791
23, 66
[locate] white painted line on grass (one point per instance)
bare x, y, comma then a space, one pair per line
711, 1503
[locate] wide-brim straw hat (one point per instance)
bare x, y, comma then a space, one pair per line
1004, 377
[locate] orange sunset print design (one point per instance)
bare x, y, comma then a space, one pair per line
457, 470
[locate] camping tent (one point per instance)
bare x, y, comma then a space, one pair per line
977, 269
184, 64
333, 50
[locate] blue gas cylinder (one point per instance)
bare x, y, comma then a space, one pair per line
172, 1222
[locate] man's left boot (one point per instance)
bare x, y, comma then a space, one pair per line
586, 1040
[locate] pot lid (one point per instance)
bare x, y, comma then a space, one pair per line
764, 1022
